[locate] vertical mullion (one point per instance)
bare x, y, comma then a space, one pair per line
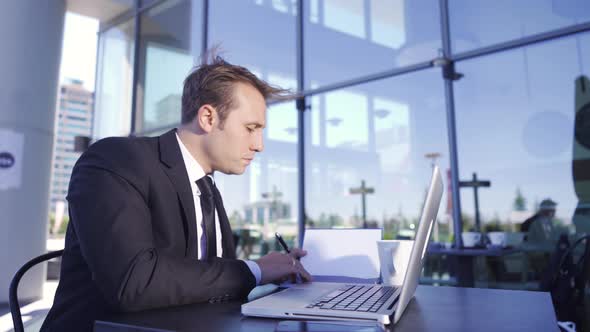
205, 32
452, 132
97, 79
136, 46
300, 125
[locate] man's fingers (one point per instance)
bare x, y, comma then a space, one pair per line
278, 267
303, 272
296, 252
291, 260
305, 275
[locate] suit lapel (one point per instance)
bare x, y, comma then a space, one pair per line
175, 169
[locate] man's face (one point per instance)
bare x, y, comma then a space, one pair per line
550, 213
232, 148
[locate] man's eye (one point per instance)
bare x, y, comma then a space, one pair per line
250, 129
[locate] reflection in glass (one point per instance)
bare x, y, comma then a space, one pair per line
515, 114
282, 119
348, 130
474, 24
170, 44
516, 129
348, 39
379, 133
265, 39
114, 79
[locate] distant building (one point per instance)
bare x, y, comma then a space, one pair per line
73, 118
264, 212
269, 217
167, 111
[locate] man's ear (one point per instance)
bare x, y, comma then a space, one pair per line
207, 117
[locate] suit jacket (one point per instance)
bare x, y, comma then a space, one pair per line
131, 243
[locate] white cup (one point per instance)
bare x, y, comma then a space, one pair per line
470, 239
497, 238
394, 256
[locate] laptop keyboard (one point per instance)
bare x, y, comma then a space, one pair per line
367, 298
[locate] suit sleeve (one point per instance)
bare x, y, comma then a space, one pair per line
113, 224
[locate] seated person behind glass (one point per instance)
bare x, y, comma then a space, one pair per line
539, 229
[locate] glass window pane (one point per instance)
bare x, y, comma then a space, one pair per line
170, 44
264, 199
265, 41
112, 116
476, 24
270, 53
353, 38
379, 133
517, 130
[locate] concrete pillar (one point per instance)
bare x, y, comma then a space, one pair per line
31, 34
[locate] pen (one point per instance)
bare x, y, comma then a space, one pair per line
282, 242
284, 245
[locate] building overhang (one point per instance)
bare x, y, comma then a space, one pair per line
102, 10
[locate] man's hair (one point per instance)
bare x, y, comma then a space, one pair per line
213, 83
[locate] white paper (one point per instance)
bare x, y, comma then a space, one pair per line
11, 158
342, 252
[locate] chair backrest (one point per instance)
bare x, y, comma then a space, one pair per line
12, 293
566, 277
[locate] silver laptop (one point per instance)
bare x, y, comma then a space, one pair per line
346, 301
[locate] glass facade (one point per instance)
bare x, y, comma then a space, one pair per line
269, 53
170, 44
385, 133
524, 121
345, 40
114, 81
378, 115
474, 24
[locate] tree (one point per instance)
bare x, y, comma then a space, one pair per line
236, 219
519, 201
468, 223
335, 220
494, 225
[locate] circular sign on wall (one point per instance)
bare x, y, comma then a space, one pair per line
6, 160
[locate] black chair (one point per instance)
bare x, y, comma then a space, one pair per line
12, 293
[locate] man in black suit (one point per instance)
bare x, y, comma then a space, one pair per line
147, 224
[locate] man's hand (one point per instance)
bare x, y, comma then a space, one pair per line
277, 267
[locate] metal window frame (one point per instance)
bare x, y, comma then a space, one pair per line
301, 106
117, 20
451, 124
136, 50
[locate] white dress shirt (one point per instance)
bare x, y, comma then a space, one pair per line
195, 172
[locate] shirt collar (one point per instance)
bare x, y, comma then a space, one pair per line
194, 170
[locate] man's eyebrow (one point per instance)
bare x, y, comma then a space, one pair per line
256, 125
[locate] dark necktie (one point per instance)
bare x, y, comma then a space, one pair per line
227, 239
206, 187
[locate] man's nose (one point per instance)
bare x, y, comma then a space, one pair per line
258, 143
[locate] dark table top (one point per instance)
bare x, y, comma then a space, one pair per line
433, 309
